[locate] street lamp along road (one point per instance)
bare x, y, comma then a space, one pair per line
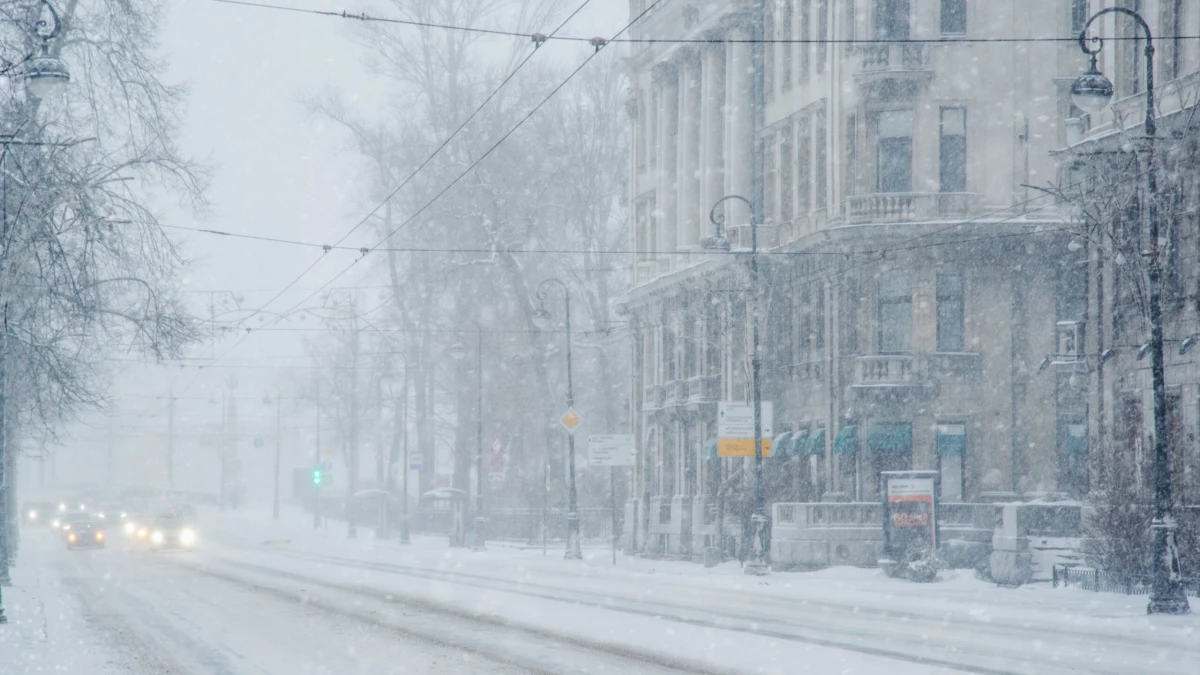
1092, 92
542, 319
458, 352
760, 564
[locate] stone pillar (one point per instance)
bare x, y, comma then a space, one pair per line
712, 132
739, 125
666, 78
689, 151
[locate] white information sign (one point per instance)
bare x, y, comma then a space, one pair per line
611, 450
735, 428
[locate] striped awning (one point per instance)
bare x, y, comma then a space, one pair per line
815, 445
846, 442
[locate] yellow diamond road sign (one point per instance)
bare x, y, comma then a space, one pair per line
571, 420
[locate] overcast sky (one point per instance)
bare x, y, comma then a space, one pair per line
277, 173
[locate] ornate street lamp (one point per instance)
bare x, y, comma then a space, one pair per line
1092, 92
760, 565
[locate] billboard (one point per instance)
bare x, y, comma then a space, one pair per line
909, 511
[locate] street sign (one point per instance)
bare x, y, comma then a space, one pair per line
735, 429
327, 466
571, 420
414, 460
611, 450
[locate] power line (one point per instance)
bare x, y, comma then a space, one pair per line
445, 142
455, 181
548, 251
538, 38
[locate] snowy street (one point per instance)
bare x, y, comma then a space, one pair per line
269, 598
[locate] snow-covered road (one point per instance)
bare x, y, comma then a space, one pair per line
278, 598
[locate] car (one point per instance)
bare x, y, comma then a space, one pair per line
85, 533
172, 532
137, 527
37, 513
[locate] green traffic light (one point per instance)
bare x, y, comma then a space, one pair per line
316, 476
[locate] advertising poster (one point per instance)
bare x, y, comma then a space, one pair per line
909, 511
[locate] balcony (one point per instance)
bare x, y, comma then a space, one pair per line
703, 389
920, 375
900, 67
885, 371
899, 207
675, 392
654, 397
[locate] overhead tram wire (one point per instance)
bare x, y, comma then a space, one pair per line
367, 18
413, 174
471, 167
437, 151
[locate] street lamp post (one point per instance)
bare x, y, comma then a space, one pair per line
45, 76
1091, 93
542, 318
720, 242
458, 351
278, 444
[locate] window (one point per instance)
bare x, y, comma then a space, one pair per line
820, 159
894, 157
1079, 15
785, 26
951, 450
895, 312
805, 34
804, 167
818, 313
770, 179
851, 179
822, 33
769, 53
786, 175
953, 150
669, 355
950, 328
891, 19
954, 17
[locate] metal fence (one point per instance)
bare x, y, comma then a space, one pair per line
1090, 579
525, 525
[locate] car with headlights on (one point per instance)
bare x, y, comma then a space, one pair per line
37, 514
172, 532
137, 527
85, 533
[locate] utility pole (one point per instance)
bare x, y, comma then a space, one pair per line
317, 461
278, 444
170, 440
352, 482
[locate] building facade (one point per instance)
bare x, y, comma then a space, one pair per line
924, 299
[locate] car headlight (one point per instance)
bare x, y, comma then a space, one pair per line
55, 523
71, 537
62, 507
99, 536
187, 537
124, 515
130, 528
141, 533
157, 537
33, 515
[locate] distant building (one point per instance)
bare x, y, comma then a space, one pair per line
924, 304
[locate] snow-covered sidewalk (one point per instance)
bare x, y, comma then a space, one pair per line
958, 622
48, 630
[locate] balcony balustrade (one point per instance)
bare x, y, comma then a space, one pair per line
898, 207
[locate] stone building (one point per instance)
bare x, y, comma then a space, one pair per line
924, 304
